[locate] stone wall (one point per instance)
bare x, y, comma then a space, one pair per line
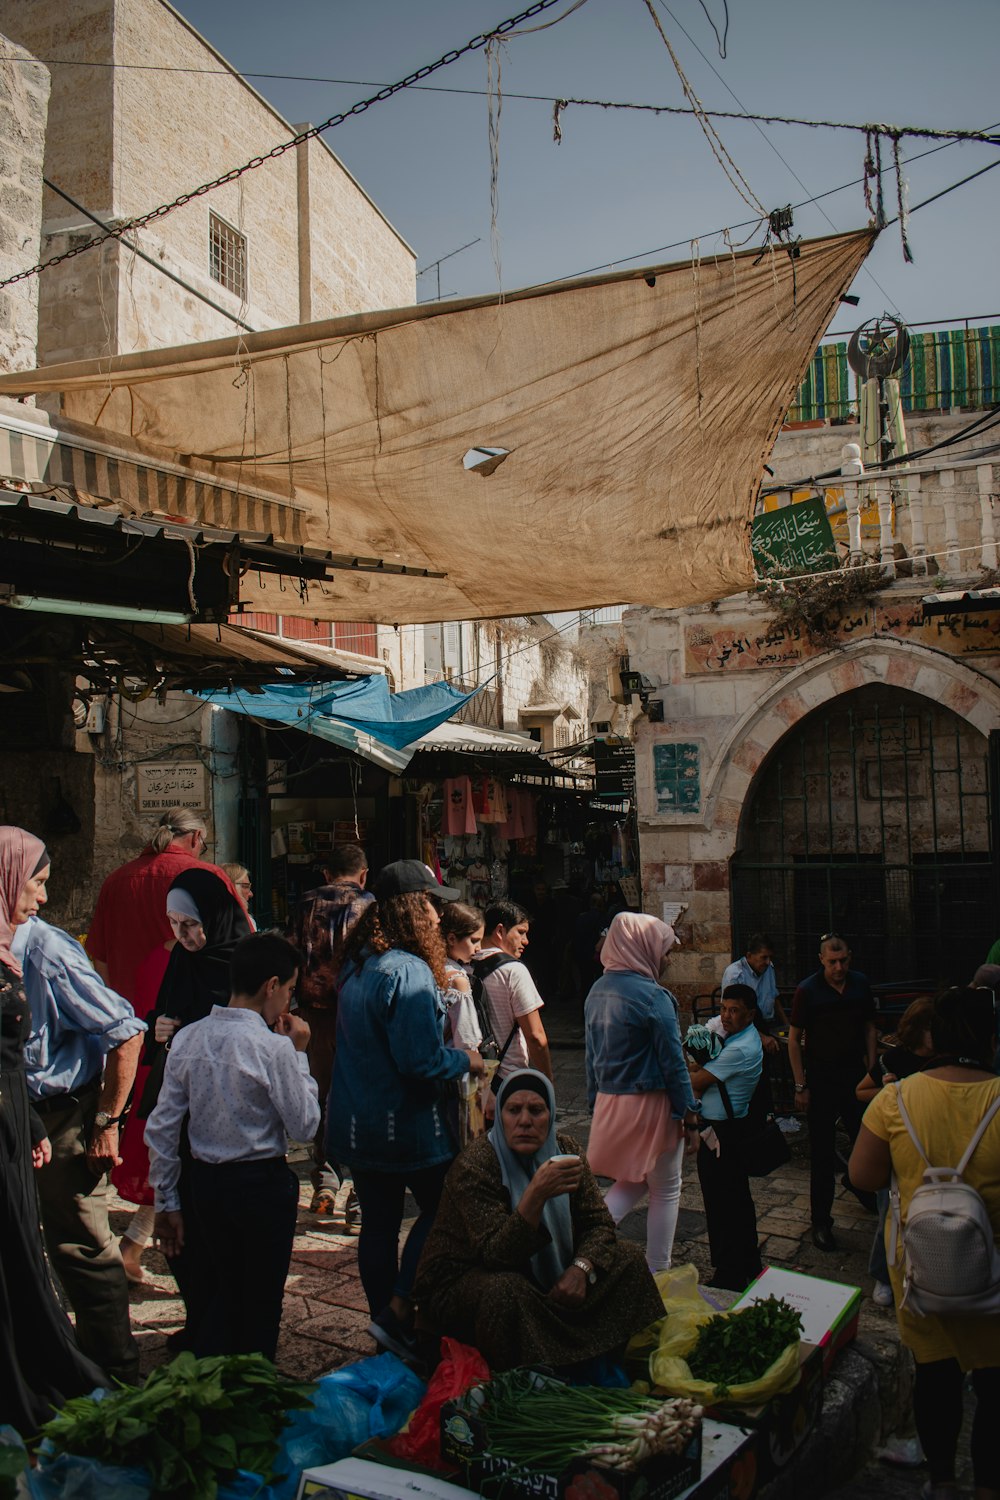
733, 683
24, 93
720, 728
126, 138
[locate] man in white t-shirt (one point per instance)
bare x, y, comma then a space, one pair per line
509, 990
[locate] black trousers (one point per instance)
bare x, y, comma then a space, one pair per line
382, 1197
729, 1208
937, 1412
245, 1214
831, 1098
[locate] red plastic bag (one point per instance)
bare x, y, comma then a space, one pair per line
460, 1368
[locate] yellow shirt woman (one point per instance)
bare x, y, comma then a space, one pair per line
944, 1115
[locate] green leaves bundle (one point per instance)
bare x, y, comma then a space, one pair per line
735, 1348
193, 1423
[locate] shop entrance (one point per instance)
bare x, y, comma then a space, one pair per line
872, 818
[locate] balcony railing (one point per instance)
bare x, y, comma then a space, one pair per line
483, 709
924, 519
946, 369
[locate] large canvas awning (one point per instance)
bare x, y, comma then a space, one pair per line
628, 417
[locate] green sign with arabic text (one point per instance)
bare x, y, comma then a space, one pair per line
795, 539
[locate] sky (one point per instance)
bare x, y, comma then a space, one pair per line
625, 188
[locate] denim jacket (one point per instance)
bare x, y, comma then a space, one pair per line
386, 1110
634, 1040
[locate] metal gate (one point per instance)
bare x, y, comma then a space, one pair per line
872, 819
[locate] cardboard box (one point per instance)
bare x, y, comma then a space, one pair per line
463, 1440
728, 1463
829, 1308
782, 1424
357, 1479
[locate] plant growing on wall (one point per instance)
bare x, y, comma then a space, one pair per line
816, 607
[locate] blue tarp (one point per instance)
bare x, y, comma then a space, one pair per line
342, 712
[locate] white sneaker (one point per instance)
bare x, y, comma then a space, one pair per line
882, 1294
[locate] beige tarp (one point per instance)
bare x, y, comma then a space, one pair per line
638, 410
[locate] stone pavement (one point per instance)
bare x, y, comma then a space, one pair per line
325, 1313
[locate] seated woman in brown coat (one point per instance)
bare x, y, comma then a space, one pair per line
523, 1261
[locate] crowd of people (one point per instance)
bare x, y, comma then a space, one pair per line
399, 1031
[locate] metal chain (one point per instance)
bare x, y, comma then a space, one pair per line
129, 225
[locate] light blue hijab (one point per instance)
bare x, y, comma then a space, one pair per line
517, 1171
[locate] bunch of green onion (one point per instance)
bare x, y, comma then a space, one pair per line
548, 1426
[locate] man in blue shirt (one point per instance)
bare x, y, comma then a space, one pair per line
756, 968
80, 1063
725, 1186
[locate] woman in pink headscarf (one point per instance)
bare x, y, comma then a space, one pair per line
638, 1083
40, 1365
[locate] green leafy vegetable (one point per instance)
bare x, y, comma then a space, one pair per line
192, 1424
736, 1348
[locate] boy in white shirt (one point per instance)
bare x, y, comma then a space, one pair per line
241, 1077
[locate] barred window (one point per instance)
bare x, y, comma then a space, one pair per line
227, 255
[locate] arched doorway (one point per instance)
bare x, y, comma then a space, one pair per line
871, 817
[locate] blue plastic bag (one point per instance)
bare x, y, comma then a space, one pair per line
370, 1398
70, 1477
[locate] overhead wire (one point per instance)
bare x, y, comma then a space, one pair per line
645, 255
978, 425
764, 136
919, 131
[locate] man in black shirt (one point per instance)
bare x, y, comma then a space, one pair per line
834, 1012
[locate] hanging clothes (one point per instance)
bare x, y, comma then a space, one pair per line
457, 815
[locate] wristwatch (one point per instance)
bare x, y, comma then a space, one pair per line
587, 1270
800, 1088
103, 1120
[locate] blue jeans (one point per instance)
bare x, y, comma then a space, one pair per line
878, 1264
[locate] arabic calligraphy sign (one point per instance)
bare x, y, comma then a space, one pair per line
763, 644
794, 539
171, 783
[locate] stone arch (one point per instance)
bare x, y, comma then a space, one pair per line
904, 664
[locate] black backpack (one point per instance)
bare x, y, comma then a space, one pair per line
482, 968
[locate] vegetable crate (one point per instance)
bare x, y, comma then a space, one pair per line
463, 1440
783, 1423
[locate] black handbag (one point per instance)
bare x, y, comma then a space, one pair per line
761, 1145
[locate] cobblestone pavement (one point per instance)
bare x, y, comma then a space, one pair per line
326, 1316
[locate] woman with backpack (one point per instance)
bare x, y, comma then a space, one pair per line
947, 1290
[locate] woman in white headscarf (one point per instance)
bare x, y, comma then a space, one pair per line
523, 1261
638, 1083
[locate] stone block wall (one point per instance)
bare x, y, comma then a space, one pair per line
125, 138
24, 94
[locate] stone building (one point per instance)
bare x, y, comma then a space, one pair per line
141, 111
835, 766
24, 96
158, 112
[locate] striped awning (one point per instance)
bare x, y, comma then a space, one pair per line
34, 449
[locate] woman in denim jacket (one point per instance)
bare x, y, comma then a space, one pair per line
386, 1117
637, 1080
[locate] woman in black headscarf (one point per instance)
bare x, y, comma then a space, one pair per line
207, 922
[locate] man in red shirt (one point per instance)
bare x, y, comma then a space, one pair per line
130, 918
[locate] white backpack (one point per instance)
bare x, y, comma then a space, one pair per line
950, 1259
